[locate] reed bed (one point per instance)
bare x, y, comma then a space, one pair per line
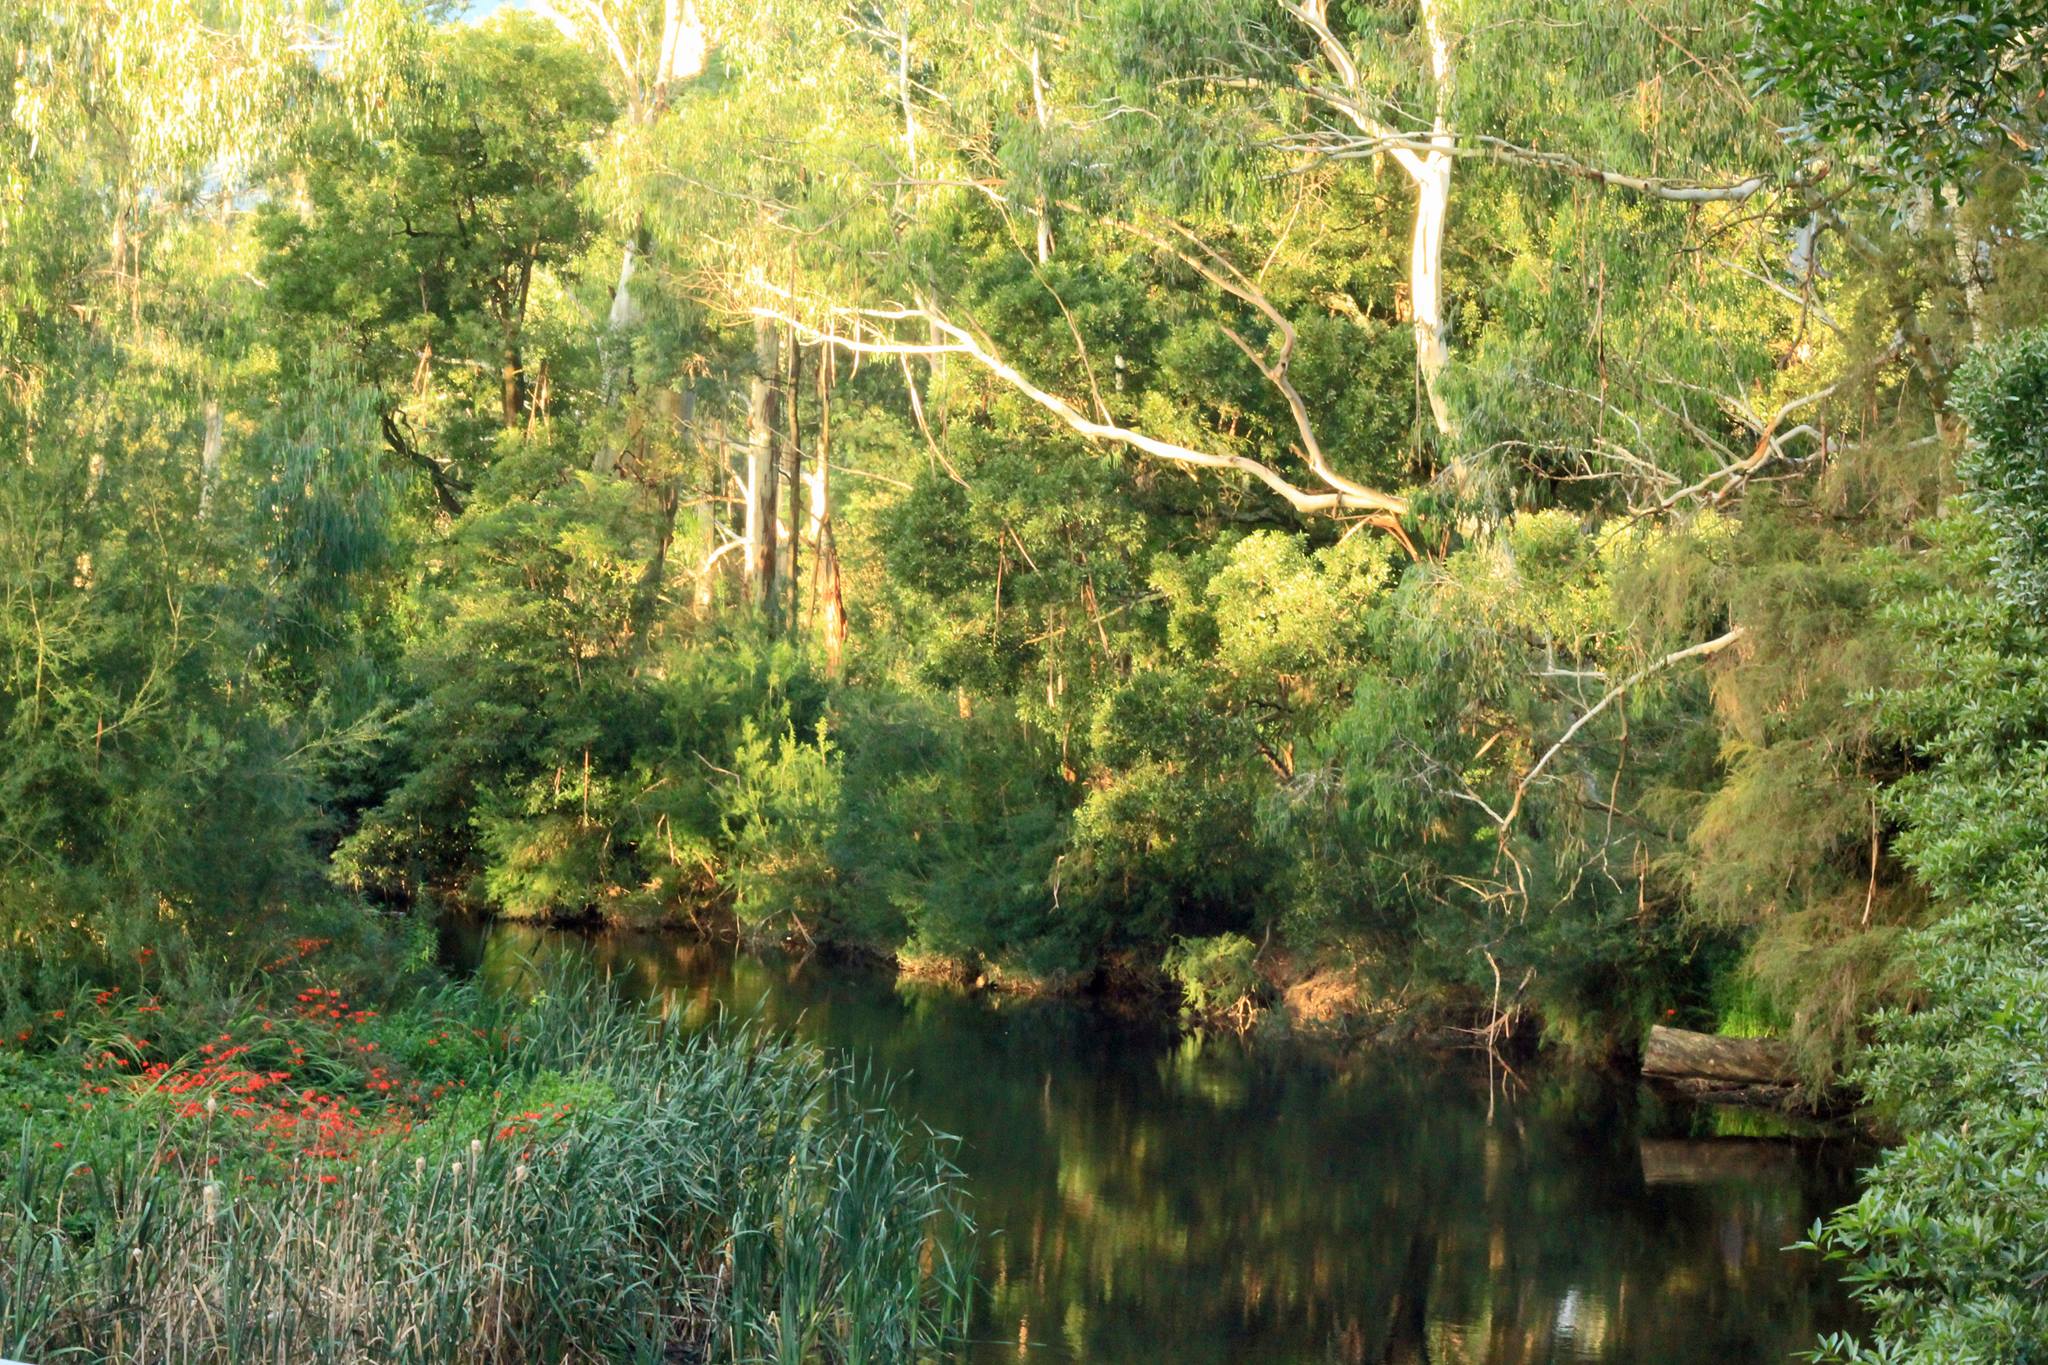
719, 1195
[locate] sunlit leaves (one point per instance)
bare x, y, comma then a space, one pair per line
1924, 86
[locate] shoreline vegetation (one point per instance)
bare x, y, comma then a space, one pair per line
1268, 1000
1532, 513
294, 1174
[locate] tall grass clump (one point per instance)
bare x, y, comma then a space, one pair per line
567, 1178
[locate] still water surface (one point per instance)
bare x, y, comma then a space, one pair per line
1166, 1200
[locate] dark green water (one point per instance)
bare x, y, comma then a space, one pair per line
1164, 1200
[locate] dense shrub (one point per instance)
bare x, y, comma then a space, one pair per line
2005, 390
1948, 1244
1218, 977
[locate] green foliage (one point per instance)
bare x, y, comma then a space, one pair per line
578, 1174
949, 840
778, 814
1946, 1245
360, 536
2005, 395
432, 247
556, 762
1217, 976
1927, 85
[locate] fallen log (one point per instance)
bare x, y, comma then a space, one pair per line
1682, 1055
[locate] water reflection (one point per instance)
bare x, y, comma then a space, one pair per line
1167, 1199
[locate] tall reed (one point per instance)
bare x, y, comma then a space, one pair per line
725, 1195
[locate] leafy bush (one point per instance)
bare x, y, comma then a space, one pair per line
778, 812
604, 788
1948, 1245
949, 838
1218, 976
2005, 392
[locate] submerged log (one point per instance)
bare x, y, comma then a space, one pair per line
1707, 1161
1680, 1054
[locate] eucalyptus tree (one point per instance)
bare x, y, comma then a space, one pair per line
745, 131
650, 55
163, 739
1632, 336
1587, 134
419, 245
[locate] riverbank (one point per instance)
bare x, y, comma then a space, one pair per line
1268, 993
318, 1170
1315, 1013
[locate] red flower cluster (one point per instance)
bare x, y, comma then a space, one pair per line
319, 1004
249, 1091
298, 1090
531, 1120
301, 948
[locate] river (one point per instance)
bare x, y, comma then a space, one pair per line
1154, 1198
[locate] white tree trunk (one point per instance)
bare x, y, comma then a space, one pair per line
1426, 281
613, 348
1432, 173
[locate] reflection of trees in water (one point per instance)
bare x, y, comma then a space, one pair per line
1190, 1200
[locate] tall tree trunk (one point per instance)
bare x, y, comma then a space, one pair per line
613, 347
1426, 282
825, 593
763, 436
831, 599
679, 409
793, 475
1432, 174
512, 386
707, 511
512, 379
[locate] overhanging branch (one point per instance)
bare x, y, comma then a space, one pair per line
866, 333
1701, 650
